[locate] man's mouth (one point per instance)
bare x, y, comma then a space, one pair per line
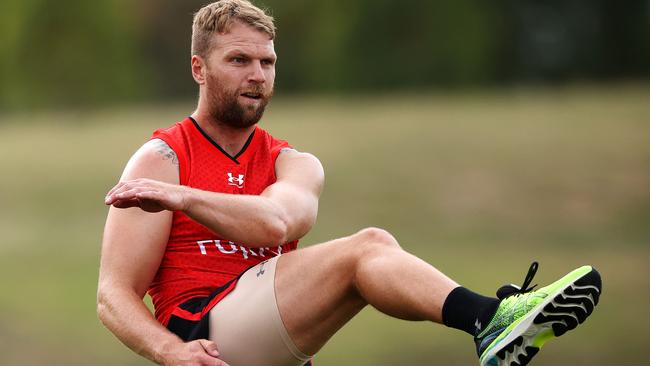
252, 95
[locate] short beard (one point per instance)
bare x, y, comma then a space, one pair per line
225, 107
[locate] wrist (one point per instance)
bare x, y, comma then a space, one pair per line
186, 198
165, 351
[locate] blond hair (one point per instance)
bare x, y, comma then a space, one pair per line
219, 16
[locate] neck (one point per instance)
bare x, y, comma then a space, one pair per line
230, 139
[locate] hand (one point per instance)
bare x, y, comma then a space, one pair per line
201, 352
147, 194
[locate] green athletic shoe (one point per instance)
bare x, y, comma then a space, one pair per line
526, 319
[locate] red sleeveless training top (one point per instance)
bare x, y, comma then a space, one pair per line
197, 260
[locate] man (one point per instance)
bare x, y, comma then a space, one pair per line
204, 209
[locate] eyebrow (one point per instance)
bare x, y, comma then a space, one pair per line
240, 53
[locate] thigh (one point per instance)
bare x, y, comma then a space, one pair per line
315, 292
246, 324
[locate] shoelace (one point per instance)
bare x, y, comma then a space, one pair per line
511, 289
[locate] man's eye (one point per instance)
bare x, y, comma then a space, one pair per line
238, 60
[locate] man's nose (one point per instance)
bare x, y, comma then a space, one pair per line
257, 73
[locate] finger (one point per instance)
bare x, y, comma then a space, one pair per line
209, 347
127, 190
206, 360
115, 193
150, 195
130, 194
111, 199
212, 361
112, 191
123, 184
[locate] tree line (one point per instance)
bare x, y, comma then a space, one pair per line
74, 52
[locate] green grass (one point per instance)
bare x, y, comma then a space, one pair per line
477, 184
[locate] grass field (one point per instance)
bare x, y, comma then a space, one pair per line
477, 184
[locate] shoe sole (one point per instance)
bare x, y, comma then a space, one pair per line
562, 311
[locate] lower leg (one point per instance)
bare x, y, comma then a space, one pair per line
401, 285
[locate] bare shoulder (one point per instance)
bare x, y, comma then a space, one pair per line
163, 150
294, 165
289, 158
288, 153
155, 160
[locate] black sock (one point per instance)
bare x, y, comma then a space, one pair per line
468, 311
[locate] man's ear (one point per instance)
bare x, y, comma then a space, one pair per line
198, 69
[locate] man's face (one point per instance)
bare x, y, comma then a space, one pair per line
240, 72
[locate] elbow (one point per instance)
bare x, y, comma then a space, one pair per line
103, 306
277, 231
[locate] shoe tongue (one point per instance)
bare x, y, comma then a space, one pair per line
511, 289
507, 290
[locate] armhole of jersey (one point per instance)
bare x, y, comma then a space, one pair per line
183, 166
275, 150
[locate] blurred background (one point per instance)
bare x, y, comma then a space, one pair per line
483, 135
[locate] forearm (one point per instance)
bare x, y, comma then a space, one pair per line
127, 317
254, 221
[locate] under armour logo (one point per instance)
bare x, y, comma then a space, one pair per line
477, 324
261, 272
237, 182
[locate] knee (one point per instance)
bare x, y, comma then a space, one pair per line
374, 238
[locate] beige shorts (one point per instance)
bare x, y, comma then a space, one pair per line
247, 327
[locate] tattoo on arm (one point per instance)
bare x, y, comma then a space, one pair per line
288, 150
167, 153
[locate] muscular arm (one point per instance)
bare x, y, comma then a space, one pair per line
133, 245
285, 211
